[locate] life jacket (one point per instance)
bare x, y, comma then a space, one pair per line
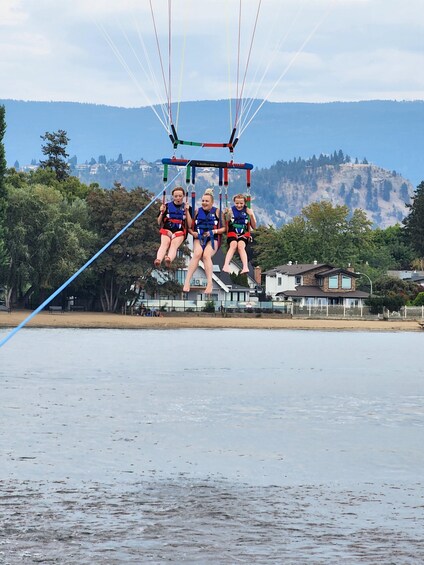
175, 217
206, 222
238, 225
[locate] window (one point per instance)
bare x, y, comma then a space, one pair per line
298, 280
333, 282
279, 279
346, 282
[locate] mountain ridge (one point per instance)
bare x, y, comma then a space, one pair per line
388, 133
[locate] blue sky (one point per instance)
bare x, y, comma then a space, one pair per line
304, 50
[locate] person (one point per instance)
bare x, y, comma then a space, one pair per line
173, 219
240, 219
205, 230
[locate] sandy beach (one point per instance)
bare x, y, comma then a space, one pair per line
172, 321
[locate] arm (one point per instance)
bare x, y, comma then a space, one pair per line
252, 219
189, 219
190, 225
162, 210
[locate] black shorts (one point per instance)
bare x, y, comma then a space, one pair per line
245, 240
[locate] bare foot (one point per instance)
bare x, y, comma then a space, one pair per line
157, 262
226, 268
167, 262
208, 290
186, 288
244, 271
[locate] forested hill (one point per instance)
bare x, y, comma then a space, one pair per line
281, 191
388, 133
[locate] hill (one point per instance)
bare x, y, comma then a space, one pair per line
281, 191
388, 133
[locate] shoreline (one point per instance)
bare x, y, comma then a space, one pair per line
105, 320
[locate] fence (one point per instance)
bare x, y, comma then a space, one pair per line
226, 307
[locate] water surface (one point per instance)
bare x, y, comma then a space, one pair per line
211, 446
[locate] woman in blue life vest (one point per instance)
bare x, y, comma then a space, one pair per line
240, 219
173, 219
205, 230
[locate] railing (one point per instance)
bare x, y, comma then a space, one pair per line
227, 307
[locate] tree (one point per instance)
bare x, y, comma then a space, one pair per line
47, 240
392, 293
129, 261
414, 222
55, 150
3, 195
2, 158
322, 232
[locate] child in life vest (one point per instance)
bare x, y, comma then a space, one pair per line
173, 219
240, 219
205, 230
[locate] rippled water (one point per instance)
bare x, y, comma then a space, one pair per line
211, 446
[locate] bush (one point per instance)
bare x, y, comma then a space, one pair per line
209, 306
419, 299
393, 303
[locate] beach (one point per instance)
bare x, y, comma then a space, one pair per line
201, 320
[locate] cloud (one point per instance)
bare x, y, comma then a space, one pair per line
92, 51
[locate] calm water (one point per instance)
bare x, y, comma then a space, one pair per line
211, 446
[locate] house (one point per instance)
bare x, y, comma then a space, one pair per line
315, 284
224, 289
411, 276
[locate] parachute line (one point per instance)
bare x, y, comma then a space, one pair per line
286, 69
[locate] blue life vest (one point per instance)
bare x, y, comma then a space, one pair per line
239, 222
206, 222
176, 216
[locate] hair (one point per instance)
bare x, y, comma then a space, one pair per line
209, 192
240, 195
178, 188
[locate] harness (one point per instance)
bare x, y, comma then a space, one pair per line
206, 222
238, 225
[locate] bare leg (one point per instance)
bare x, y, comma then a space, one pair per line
173, 248
230, 254
241, 246
165, 242
208, 253
192, 266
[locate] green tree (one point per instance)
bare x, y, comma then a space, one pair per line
55, 150
322, 232
389, 249
128, 262
392, 293
47, 239
3, 197
2, 160
419, 299
414, 222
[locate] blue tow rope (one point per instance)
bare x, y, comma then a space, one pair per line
80, 270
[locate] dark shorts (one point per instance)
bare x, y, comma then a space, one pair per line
238, 238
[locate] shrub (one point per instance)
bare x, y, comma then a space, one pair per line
209, 306
419, 299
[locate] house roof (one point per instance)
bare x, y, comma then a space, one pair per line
219, 259
296, 269
336, 271
317, 292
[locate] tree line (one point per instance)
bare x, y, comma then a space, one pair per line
51, 223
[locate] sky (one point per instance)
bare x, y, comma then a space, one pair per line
105, 52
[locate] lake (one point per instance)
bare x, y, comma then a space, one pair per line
211, 446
